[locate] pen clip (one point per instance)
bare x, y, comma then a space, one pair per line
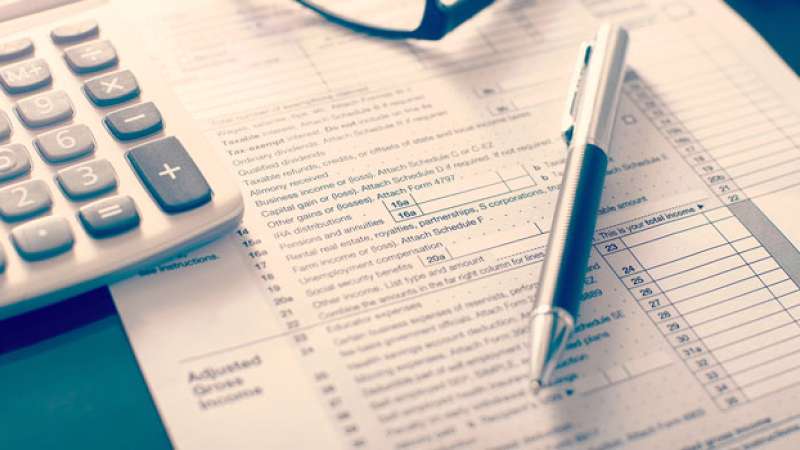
575, 91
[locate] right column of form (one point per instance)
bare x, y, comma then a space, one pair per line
719, 297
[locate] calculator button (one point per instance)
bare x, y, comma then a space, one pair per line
91, 57
170, 175
75, 32
43, 238
135, 122
65, 144
87, 180
11, 50
25, 76
14, 161
113, 88
5, 126
109, 216
24, 200
46, 109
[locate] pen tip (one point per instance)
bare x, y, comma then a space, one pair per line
536, 386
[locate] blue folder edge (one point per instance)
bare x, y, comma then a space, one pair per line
69, 379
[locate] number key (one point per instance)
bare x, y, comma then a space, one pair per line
24, 200
46, 109
14, 161
87, 180
65, 144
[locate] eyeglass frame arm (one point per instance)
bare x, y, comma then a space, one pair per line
437, 20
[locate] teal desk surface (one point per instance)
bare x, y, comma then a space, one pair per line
68, 377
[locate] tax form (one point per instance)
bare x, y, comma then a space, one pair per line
399, 196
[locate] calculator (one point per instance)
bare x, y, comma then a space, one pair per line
102, 174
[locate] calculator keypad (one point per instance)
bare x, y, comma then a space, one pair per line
109, 217
87, 180
65, 144
24, 200
91, 57
11, 50
112, 89
14, 162
170, 175
163, 166
135, 122
43, 238
25, 76
45, 109
75, 32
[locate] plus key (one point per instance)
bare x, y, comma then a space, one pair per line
170, 174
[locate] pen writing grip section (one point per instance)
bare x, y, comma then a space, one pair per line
565, 264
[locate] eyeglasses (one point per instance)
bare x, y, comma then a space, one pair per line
399, 19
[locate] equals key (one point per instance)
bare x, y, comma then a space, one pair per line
135, 122
109, 217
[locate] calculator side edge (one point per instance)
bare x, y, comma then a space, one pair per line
228, 223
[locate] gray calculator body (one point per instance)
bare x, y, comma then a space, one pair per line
98, 178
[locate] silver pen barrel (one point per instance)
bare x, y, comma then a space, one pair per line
590, 116
564, 268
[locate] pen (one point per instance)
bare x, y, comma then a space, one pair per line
588, 123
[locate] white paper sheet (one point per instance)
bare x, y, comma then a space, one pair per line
398, 200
